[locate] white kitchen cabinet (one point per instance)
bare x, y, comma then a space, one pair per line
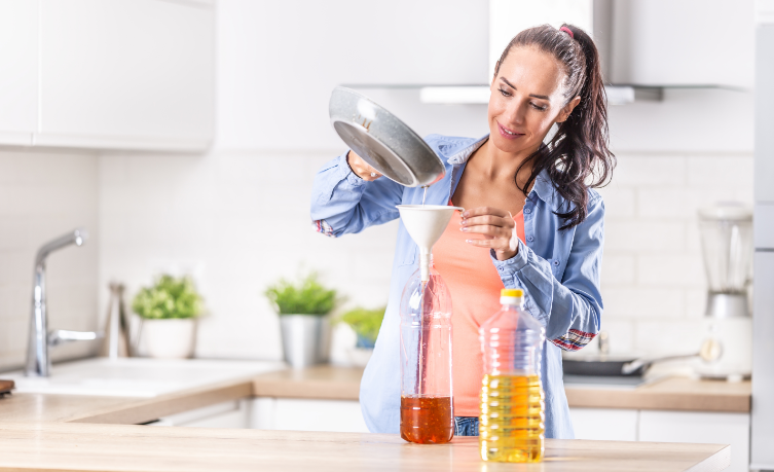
232, 414
126, 74
292, 414
604, 424
700, 427
112, 74
686, 42
18, 61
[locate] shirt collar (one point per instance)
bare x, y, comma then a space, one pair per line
543, 188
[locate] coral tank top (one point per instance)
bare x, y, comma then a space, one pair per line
475, 287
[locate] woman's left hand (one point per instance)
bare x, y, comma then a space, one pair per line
496, 226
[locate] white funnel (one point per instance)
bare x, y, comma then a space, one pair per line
425, 224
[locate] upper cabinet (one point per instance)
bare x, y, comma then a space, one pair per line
112, 74
19, 80
683, 43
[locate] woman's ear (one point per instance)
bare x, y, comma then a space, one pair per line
565, 113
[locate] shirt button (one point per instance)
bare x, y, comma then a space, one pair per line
530, 238
556, 263
527, 211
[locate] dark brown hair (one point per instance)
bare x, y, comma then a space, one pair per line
577, 157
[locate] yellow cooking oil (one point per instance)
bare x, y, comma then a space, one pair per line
512, 421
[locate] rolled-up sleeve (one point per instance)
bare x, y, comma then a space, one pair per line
343, 203
571, 308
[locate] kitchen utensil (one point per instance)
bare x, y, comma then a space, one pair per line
726, 239
605, 365
382, 140
425, 224
6, 386
116, 342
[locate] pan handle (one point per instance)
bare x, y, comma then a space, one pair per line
631, 367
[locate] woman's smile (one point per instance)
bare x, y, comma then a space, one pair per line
507, 133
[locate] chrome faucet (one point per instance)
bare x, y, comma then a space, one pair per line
38, 360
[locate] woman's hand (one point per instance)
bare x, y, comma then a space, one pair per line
361, 167
497, 227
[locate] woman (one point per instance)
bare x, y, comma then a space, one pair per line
551, 249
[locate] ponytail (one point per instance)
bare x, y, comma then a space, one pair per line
577, 157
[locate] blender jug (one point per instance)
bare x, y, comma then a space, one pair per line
726, 237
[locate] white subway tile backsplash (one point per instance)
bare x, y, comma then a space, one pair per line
643, 302
620, 334
650, 169
668, 336
649, 236
620, 202
695, 302
618, 270
683, 271
721, 171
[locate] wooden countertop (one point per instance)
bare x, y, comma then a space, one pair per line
341, 383
87, 447
683, 394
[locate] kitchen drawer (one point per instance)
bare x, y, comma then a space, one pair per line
605, 423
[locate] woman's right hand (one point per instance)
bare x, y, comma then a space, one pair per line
361, 167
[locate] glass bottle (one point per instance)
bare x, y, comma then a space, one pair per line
512, 421
426, 403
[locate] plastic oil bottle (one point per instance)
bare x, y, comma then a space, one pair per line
427, 403
512, 421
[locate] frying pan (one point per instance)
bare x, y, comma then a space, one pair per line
382, 140
608, 366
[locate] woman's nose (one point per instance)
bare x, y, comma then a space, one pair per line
516, 113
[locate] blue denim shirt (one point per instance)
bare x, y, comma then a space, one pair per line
558, 270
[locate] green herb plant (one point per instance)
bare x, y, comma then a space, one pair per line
168, 298
307, 297
364, 322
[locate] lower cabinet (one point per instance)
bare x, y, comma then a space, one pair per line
232, 414
604, 424
668, 426
701, 427
288, 414
292, 414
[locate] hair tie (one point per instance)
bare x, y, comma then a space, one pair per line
568, 31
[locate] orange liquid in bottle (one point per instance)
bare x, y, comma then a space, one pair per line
426, 420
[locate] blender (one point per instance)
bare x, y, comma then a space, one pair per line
726, 240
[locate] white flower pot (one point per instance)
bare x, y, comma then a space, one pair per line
170, 338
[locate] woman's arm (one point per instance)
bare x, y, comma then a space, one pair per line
343, 203
571, 308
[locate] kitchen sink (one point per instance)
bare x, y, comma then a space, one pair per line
130, 377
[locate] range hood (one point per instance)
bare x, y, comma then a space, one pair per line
623, 31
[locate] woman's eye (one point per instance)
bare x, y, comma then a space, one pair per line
505, 93
538, 107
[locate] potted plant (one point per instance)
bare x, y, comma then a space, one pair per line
169, 309
365, 323
303, 308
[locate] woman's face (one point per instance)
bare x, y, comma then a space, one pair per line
527, 98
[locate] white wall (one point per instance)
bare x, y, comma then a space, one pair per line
238, 217
43, 195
